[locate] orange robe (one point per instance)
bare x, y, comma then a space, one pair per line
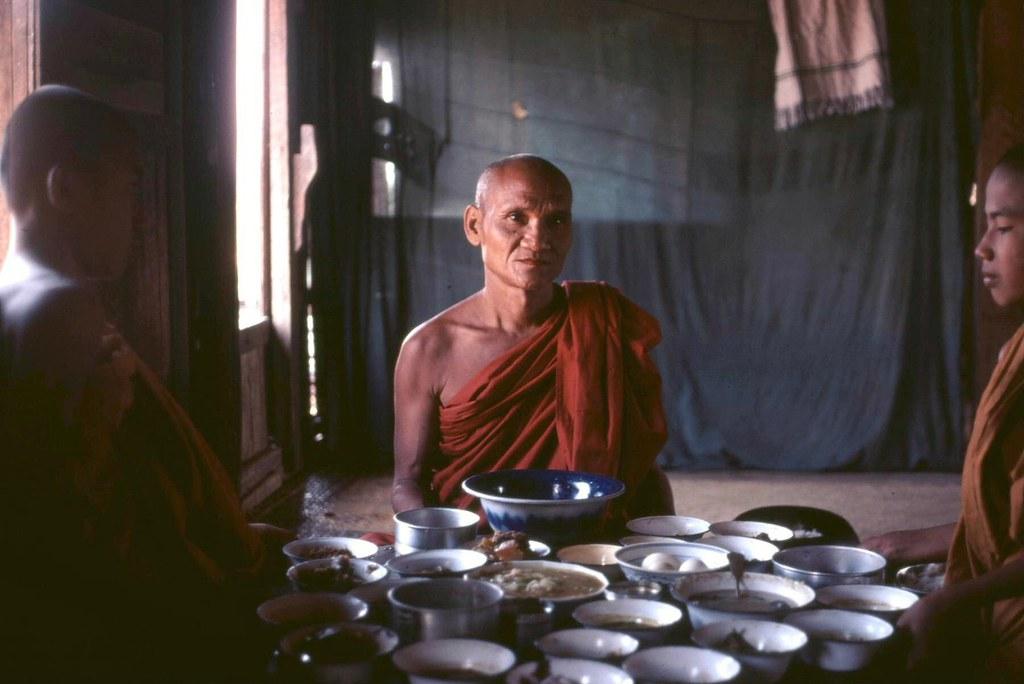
581, 394
142, 562
990, 531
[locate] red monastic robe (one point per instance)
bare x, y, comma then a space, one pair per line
581, 394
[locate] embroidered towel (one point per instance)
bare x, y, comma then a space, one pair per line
831, 60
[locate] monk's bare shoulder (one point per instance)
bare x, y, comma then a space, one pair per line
428, 351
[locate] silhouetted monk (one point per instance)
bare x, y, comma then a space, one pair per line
526, 373
127, 556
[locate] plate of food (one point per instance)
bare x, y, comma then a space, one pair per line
509, 546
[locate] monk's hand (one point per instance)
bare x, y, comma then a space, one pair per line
931, 625
899, 548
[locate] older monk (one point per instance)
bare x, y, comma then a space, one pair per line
973, 628
527, 373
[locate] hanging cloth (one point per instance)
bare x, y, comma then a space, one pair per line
832, 59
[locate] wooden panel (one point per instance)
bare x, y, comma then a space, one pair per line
262, 491
254, 403
259, 468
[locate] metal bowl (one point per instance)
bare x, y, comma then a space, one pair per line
445, 608
435, 528
340, 652
437, 563
923, 578
822, 566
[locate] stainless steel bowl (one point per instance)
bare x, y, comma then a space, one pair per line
822, 566
445, 608
435, 528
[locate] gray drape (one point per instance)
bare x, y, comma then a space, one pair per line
810, 284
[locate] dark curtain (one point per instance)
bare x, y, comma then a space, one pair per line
334, 52
809, 283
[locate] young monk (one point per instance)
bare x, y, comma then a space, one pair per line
977, 619
526, 373
127, 556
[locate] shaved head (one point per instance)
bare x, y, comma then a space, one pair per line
1012, 161
56, 125
529, 162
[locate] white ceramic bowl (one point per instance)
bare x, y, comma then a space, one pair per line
757, 552
772, 645
697, 592
578, 670
589, 644
344, 652
556, 506
599, 557
598, 581
439, 661
297, 610
634, 539
841, 640
437, 563
879, 600
631, 558
776, 534
825, 564
677, 526
322, 575
649, 622
313, 548
681, 665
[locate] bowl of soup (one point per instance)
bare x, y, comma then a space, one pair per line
714, 596
562, 584
649, 622
555, 506
841, 640
879, 600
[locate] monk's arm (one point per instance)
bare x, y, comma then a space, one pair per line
416, 416
905, 547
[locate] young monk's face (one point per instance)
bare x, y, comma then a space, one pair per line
108, 216
523, 226
1001, 249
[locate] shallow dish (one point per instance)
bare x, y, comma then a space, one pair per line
340, 652
589, 644
575, 669
437, 563
764, 649
769, 532
552, 505
923, 578
649, 622
313, 548
296, 610
676, 526
879, 600
841, 640
634, 539
711, 597
334, 574
681, 665
435, 527
757, 552
599, 557
821, 566
632, 559
452, 661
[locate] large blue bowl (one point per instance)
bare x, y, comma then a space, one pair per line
555, 506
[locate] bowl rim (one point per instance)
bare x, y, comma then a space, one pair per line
361, 607
804, 590
601, 606
468, 486
651, 547
436, 645
385, 639
787, 533
631, 643
854, 588
395, 562
293, 570
491, 587
398, 520
340, 541
798, 615
796, 550
731, 623
701, 522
